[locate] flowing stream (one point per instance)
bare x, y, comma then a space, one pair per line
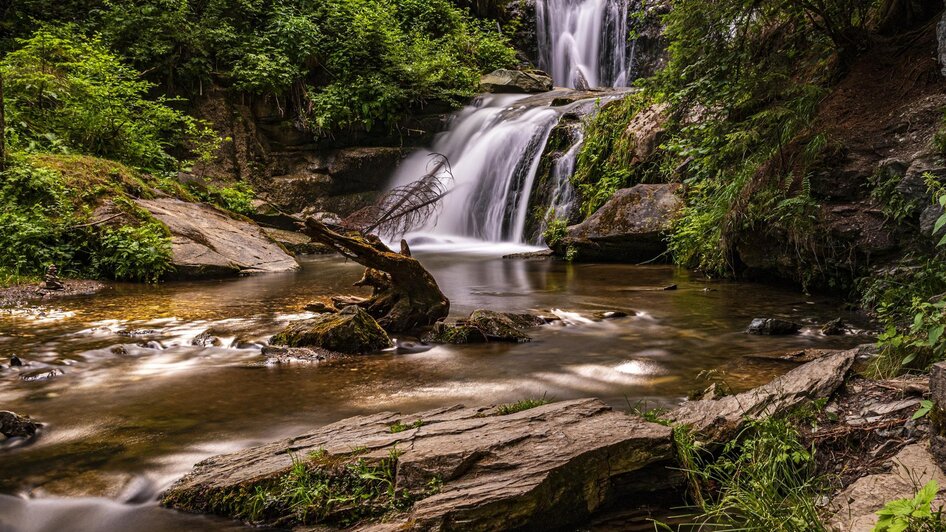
130, 404
137, 404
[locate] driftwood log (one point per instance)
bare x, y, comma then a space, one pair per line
405, 295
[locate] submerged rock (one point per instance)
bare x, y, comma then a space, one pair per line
504, 326
543, 468
630, 227
205, 242
288, 355
351, 331
773, 327
485, 326
13, 425
41, 375
515, 81
206, 339
835, 328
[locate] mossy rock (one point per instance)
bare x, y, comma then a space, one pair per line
503, 326
454, 334
351, 331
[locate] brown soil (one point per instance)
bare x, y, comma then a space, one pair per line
890, 102
19, 295
851, 445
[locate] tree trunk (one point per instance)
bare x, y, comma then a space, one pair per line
3, 131
405, 297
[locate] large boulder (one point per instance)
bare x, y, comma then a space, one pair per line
206, 242
351, 331
630, 227
462, 468
515, 81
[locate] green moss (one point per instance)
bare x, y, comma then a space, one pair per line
350, 331
521, 405
401, 427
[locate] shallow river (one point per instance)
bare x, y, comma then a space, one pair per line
123, 423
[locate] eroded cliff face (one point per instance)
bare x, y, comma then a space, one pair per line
874, 205
296, 170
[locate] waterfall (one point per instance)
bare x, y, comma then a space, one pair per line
563, 193
584, 39
494, 147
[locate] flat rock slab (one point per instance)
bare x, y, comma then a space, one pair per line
717, 420
854, 509
543, 468
205, 242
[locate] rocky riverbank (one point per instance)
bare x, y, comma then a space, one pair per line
529, 465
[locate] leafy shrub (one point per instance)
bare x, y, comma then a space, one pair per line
763, 480
130, 253
556, 231
68, 93
915, 515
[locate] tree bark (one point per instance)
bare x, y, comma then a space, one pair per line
3, 130
406, 296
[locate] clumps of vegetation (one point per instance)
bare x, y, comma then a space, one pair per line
401, 427
604, 166
318, 491
47, 203
521, 405
134, 253
331, 64
68, 93
910, 303
763, 480
555, 232
237, 197
915, 515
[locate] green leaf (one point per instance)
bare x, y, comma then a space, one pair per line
925, 407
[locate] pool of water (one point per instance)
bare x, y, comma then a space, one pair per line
136, 405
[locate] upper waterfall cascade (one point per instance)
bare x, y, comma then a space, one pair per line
584, 40
495, 146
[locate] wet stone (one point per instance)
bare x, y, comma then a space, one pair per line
773, 327
206, 339
41, 375
13, 425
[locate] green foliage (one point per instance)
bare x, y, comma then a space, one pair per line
68, 93
237, 198
333, 64
401, 427
341, 494
45, 213
604, 162
914, 515
131, 253
519, 406
555, 232
910, 303
763, 480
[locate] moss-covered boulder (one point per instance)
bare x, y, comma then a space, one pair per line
351, 331
442, 333
504, 326
485, 326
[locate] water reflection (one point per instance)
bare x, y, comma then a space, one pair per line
137, 400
